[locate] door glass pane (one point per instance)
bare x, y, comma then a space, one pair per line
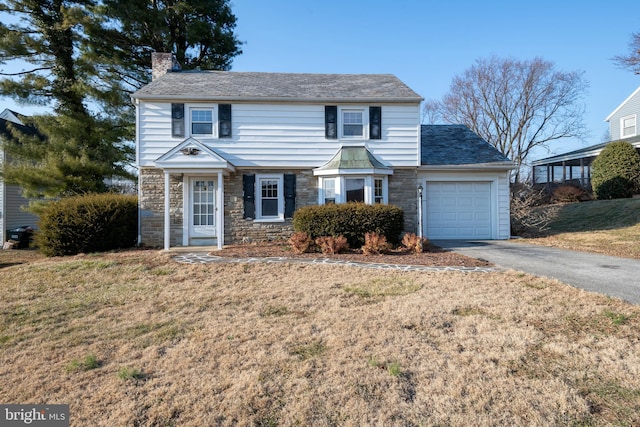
203, 203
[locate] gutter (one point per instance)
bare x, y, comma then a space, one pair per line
258, 99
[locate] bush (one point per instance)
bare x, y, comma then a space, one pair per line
569, 194
375, 244
332, 245
615, 173
527, 218
414, 243
88, 223
301, 242
351, 220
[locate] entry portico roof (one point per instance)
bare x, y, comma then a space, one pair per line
192, 155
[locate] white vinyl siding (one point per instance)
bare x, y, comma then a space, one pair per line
629, 108
281, 135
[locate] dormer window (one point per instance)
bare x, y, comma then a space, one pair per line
628, 126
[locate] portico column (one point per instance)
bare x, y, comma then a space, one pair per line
220, 211
167, 213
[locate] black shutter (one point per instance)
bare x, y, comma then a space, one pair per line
224, 120
331, 122
249, 197
289, 194
177, 120
375, 122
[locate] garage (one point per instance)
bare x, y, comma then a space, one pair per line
458, 210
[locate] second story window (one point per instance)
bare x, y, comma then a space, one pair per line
352, 123
201, 121
628, 126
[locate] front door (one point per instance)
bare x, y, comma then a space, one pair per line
203, 208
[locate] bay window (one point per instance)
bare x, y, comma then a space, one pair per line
345, 188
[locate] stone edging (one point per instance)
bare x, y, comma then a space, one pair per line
204, 258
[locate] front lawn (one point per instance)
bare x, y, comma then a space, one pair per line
609, 227
136, 339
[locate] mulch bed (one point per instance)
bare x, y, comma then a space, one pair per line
433, 256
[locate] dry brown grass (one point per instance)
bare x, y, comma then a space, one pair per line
296, 344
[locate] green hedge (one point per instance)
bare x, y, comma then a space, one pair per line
88, 223
352, 220
615, 173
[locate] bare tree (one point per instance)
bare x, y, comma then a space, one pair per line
517, 105
631, 61
430, 112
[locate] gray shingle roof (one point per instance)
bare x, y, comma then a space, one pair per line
231, 85
444, 145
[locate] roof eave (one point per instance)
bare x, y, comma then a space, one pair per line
381, 100
483, 166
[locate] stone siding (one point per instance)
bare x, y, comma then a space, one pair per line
402, 193
403, 186
239, 230
152, 207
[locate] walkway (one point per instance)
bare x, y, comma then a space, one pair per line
205, 258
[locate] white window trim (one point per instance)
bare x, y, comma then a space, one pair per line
635, 126
258, 193
214, 119
365, 122
340, 188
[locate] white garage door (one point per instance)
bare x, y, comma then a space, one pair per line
458, 210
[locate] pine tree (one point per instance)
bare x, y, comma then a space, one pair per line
75, 148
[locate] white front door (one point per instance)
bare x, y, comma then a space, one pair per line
202, 222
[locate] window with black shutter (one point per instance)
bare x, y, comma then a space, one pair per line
177, 120
331, 122
375, 122
224, 120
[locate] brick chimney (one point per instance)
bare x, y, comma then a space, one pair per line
163, 63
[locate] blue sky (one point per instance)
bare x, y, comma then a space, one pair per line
427, 43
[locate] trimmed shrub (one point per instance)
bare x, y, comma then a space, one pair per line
331, 245
300, 242
87, 223
569, 194
414, 243
615, 173
375, 244
351, 220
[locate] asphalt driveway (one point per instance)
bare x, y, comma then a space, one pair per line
613, 276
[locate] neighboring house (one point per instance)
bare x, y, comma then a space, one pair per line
575, 167
12, 214
227, 157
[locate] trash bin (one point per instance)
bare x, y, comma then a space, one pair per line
21, 235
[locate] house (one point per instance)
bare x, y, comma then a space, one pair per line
227, 157
575, 167
12, 214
